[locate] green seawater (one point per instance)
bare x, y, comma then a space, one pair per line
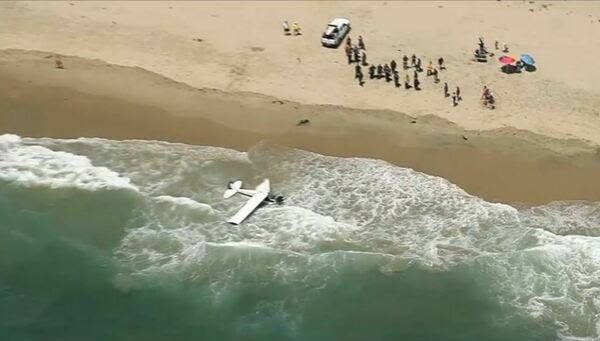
59, 281
107, 240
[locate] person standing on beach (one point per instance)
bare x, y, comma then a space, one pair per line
286, 28
435, 76
393, 65
396, 79
296, 28
482, 45
446, 94
485, 94
413, 60
349, 41
361, 43
359, 75
405, 62
371, 71
491, 101
379, 71
388, 73
454, 101
348, 50
356, 54
430, 68
458, 94
441, 63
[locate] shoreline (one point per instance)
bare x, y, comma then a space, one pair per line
84, 100
560, 99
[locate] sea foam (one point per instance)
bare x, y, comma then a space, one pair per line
39, 166
339, 213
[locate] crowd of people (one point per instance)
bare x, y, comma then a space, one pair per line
390, 71
356, 53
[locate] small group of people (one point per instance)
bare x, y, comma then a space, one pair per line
296, 30
416, 63
487, 98
389, 72
355, 52
481, 53
497, 46
432, 71
456, 97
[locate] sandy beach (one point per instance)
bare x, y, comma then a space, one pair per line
210, 73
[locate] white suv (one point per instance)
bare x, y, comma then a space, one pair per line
335, 32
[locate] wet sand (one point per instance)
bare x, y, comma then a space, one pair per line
91, 98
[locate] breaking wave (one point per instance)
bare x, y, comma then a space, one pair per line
342, 216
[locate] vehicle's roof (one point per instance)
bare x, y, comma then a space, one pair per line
339, 21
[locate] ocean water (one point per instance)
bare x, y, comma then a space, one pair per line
126, 240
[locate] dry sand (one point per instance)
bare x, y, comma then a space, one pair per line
92, 98
243, 49
134, 70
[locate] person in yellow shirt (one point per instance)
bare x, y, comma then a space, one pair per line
296, 28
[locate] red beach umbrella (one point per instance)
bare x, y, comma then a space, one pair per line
507, 60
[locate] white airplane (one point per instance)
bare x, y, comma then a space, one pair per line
257, 196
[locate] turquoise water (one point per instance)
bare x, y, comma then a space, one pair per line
107, 240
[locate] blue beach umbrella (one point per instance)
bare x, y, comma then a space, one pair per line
527, 59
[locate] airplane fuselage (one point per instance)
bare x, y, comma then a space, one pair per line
258, 196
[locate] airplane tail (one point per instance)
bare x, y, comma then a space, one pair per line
232, 188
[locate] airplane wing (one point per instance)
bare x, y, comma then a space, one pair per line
264, 186
250, 206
